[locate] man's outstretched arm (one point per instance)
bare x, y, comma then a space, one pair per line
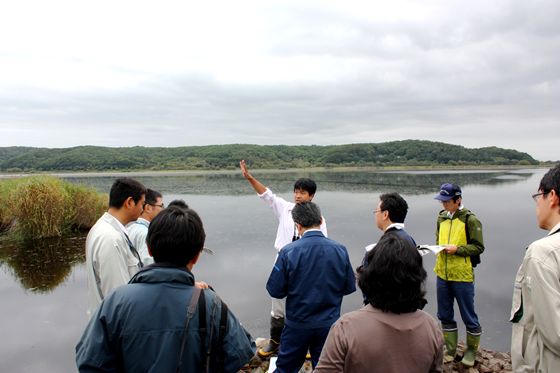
257, 185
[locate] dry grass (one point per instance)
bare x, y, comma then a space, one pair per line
45, 206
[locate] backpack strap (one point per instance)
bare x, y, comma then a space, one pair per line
202, 331
220, 359
190, 312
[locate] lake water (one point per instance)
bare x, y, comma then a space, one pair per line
43, 284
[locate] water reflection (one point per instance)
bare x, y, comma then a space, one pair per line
41, 265
356, 181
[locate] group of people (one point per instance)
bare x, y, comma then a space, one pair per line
163, 320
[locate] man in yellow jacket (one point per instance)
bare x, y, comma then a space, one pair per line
460, 231
535, 310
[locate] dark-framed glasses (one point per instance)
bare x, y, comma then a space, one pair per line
536, 195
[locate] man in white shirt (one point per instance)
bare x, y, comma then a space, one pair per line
138, 230
304, 191
111, 259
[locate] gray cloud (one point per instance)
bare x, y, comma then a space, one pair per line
476, 74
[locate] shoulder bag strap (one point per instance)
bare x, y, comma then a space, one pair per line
190, 312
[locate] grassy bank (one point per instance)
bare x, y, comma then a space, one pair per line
45, 206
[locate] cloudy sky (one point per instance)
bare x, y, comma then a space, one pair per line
174, 73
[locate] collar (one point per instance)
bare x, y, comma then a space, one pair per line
163, 272
395, 225
115, 223
450, 214
142, 221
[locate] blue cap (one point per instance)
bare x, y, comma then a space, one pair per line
447, 191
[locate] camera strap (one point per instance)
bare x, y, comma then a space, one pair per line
190, 312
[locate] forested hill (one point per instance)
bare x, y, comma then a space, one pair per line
212, 157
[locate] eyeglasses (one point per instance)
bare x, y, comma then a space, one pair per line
378, 210
155, 204
534, 196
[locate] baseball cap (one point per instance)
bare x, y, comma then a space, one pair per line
447, 191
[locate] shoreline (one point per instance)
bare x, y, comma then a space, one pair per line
382, 169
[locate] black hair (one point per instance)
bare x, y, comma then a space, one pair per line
307, 214
393, 280
123, 188
306, 184
152, 196
175, 236
178, 203
551, 180
395, 205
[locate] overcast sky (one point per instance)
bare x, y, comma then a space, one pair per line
177, 73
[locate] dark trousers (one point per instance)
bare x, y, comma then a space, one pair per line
294, 346
463, 292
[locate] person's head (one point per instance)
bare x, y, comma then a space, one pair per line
176, 236
392, 208
307, 215
179, 203
153, 204
548, 199
450, 196
393, 280
127, 197
304, 190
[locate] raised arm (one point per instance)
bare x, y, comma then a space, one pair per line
257, 185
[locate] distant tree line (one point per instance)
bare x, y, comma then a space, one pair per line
217, 157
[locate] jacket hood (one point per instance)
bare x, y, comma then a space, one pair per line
162, 272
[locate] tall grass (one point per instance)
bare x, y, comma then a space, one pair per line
45, 206
85, 206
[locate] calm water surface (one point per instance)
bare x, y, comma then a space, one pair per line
43, 284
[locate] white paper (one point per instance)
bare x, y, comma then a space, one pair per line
425, 249
272, 364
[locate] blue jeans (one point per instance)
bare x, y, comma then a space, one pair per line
447, 292
294, 346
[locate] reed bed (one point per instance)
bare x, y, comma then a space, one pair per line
45, 206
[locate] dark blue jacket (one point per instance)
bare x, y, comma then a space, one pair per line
313, 273
139, 327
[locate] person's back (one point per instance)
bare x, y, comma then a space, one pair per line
146, 319
152, 324
318, 270
313, 273
390, 334
382, 342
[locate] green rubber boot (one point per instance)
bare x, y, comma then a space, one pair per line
473, 342
450, 338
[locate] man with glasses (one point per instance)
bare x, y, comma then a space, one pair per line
535, 311
389, 214
460, 231
138, 230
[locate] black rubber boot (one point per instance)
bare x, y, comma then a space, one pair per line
276, 327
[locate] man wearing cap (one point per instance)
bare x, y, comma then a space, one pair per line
460, 231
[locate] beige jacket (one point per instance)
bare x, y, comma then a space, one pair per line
109, 261
535, 311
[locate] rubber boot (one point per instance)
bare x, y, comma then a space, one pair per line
473, 342
276, 327
450, 338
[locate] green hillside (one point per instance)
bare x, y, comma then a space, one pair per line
213, 157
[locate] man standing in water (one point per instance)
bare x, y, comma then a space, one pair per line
111, 259
535, 311
304, 191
